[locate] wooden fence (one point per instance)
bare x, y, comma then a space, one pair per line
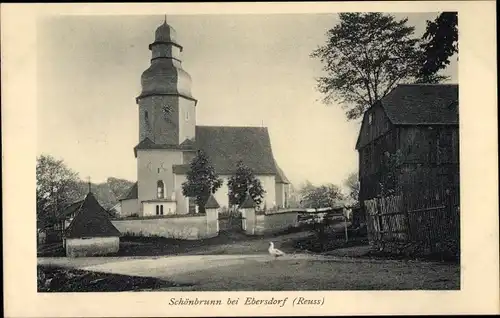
428, 219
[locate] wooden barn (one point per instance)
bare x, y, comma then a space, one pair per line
409, 170
418, 125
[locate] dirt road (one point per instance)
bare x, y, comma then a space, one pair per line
262, 272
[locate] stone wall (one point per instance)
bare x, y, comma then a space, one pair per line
261, 224
185, 227
81, 247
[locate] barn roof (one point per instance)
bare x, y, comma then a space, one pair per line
418, 104
421, 104
91, 220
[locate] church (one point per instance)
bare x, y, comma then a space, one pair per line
169, 138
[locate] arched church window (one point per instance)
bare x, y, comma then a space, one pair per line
161, 189
146, 116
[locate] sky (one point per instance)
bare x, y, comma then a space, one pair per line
247, 70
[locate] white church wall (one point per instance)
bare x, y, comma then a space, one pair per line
182, 201
268, 183
154, 165
149, 208
129, 207
280, 194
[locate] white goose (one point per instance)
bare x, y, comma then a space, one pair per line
274, 251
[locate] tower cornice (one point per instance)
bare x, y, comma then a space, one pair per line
165, 42
165, 94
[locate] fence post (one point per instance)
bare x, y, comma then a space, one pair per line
406, 208
378, 215
345, 228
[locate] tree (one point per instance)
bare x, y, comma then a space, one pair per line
119, 187
352, 183
365, 57
441, 42
244, 183
202, 180
293, 197
56, 187
320, 197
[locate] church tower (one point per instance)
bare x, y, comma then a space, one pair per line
167, 118
167, 109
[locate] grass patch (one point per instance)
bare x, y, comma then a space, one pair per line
157, 246
51, 250
57, 279
328, 241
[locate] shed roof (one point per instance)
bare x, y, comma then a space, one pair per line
212, 203
248, 203
91, 220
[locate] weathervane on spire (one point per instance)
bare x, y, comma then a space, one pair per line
165, 19
89, 184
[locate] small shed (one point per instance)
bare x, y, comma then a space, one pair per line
248, 215
212, 212
91, 232
212, 203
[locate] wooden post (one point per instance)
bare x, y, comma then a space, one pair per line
345, 228
379, 218
406, 208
